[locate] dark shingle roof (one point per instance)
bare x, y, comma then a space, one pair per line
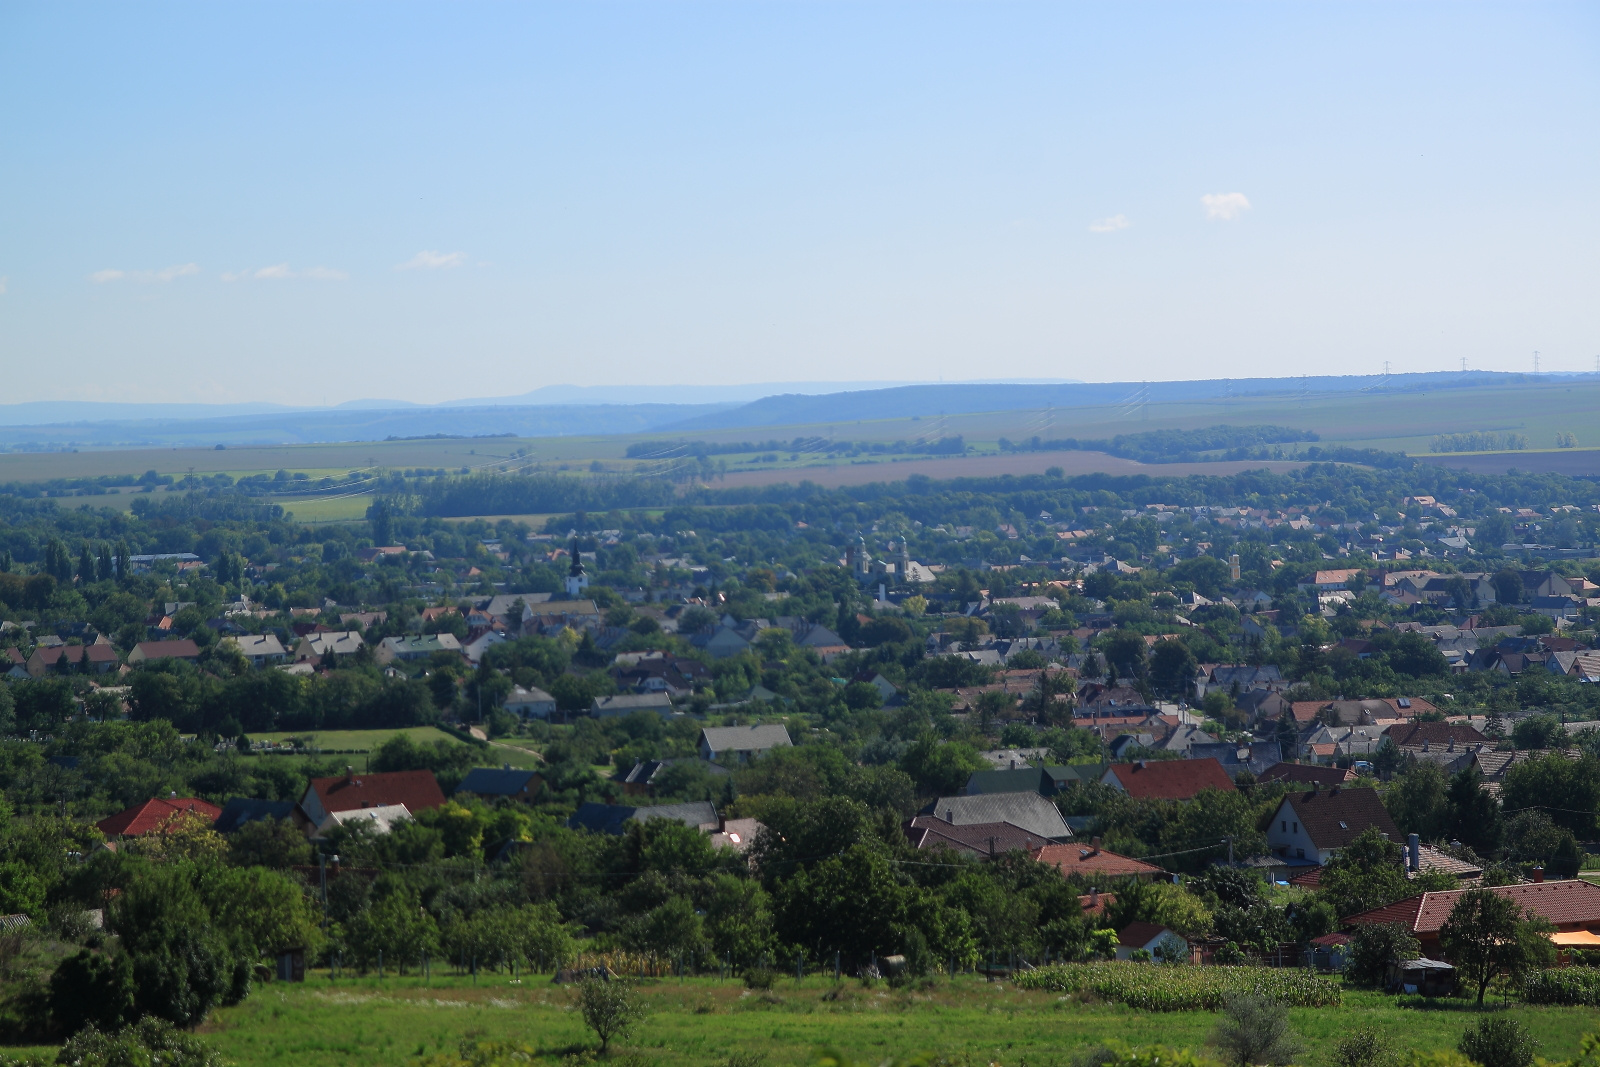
1333, 817
240, 810
1570, 902
498, 782
979, 839
1020, 780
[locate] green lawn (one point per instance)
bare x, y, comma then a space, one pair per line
518, 752
703, 1021
361, 740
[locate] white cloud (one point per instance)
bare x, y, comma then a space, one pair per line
433, 261
1110, 225
165, 274
1224, 207
281, 271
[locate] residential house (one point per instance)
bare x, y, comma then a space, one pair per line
1313, 826
625, 704
659, 672
1254, 757
1154, 939
1571, 905
379, 819
737, 834
1308, 774
494, 782
1324, 744
614, 818
640, 779
1437, 734
1092, 861
257, 648
1240, 680
241, 810
151, 815
1329, 580
415, 647
415, 790
1029, 812
480, 641
981, 840
1167, 779
532, 703
314, 646
1019, 780
741, 742
149, 651
60, 659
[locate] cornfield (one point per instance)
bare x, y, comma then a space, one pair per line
1570, 985
1152, 987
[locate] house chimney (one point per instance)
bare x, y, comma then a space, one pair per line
1094, 896
1451, 747
349, 774
1538, 874
1413, 853
1424, 744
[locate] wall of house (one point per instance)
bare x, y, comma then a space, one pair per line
1287, 837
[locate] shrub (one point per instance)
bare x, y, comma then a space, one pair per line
759, 978
92, 990
1498, 1041
1182, 988
1255, 1030
610, 1009
1363, 1048
149, 1041
1570, 985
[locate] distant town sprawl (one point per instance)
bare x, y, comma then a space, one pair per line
897, 729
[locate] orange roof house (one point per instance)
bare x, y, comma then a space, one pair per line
417, 790
1180, 779
1093, 860
1570, 905
145, 818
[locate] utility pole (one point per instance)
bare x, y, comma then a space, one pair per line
1536, 361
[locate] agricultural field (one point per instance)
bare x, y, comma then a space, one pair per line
1392, 421
703, 1022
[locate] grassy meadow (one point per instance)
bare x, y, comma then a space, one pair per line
361, 743
323, 1023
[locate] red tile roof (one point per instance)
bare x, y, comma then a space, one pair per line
1094, 908
1085, 859
1138, 935
1333, 817
1435, 733
1308, 774
143, 818
1570, 903
417, 790
1179, 779
1309, 880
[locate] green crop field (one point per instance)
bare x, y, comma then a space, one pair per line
516, 752
702, 1022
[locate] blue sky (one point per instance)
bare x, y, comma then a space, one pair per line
313, 202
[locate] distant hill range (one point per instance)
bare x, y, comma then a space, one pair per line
573, 410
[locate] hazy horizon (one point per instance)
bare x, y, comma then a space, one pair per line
311, 205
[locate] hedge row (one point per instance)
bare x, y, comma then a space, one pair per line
1156, 987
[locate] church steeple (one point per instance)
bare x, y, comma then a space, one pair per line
577, 579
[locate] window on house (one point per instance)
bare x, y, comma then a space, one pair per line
1343, 825
1296, 827
1300, 853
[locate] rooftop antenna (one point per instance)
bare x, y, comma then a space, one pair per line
1464, 364
1536, 361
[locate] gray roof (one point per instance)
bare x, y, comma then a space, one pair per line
745, 738
628, 703
613, 818
1029, 811
1021, 780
